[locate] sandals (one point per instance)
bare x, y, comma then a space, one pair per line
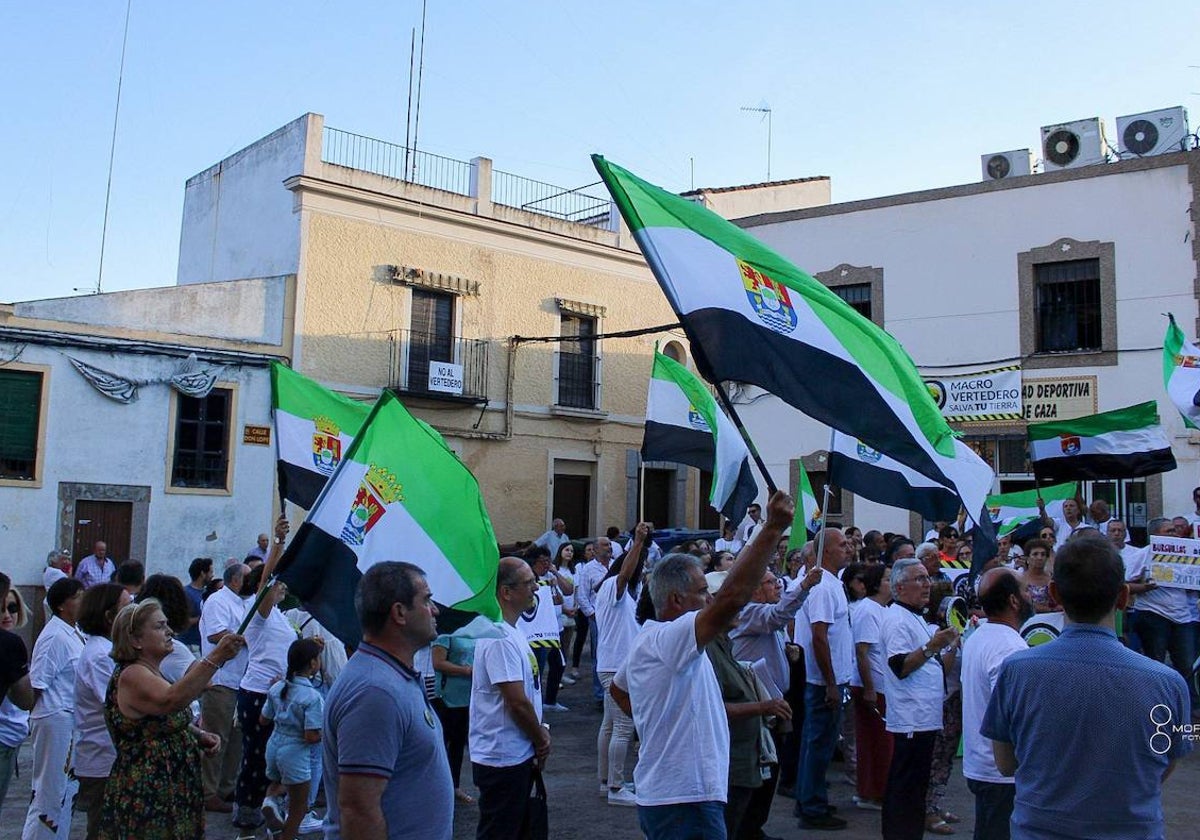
464, 797
939, 827
951, 817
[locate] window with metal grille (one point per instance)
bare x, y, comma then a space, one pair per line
431, 337
858, 295
20, 413
577, 363
1067, 301
1014, 457
201, 457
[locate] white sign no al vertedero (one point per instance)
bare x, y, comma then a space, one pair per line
446, 378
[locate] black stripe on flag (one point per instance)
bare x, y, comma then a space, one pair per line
1088, 467
888, 487
828, 389
300, 486
664, 442
322, 572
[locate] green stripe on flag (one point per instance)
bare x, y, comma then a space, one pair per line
806, 509
300, 396
1119, 420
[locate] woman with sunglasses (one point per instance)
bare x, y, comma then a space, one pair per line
14, 722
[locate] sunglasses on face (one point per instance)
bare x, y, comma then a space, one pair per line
12, 608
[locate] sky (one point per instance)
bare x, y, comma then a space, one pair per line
881, 97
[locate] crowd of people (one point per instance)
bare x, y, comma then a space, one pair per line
728, 675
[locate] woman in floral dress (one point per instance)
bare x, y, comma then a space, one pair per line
154, 791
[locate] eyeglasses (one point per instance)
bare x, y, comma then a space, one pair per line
919, 579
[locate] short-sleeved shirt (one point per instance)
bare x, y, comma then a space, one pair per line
14, 660
195, 597
616, 625
93, 753
866, 629
223, 612
302, 709
1090, 759
378, 723
827, 604
92, 571
495, 739
984, 652
679, 713
268, 640
456, 690
914, 704
52, 668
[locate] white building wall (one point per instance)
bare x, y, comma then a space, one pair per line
91, 438
951, 291
238, 220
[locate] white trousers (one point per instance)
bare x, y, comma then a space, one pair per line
614, 738
52, 792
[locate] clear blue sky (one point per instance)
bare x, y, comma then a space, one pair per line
882, 97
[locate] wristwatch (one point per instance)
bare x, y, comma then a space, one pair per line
279, 541
929, 654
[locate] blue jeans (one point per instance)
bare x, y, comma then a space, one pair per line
1161, 636
993, 809
597, 689
817, 742
687, 821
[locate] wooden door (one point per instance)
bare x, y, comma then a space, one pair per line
573, 503
111, 522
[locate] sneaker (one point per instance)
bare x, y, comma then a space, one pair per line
272, 810
555, 707
310, 824
622, 797
567, 679
825, 822
867, 804
604, 788
246, 817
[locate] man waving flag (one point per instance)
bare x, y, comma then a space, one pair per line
752, 316
399, 493
685, 425
1181, 373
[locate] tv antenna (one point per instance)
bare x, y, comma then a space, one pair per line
112, 152
764, 109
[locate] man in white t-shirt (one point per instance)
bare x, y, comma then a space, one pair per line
587, 581
668, 685
823, 630
616, 621
1005, 601
915, 688
223, 613
507, 740
749, 523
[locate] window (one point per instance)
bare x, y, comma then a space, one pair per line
858, 295
202, 445
578, 365
1068, 306
818, 479
431, 336
20, 422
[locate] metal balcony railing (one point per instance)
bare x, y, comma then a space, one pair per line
391, 160
439, 366
538, 197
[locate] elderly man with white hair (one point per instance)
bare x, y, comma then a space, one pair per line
914, 687
931, 558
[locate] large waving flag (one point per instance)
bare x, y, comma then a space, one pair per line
1010, 511
313, 428
399, 493
807, 515
685, 425
1125, 443
869, 473
752, 316
1181, 373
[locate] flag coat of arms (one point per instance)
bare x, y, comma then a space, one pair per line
313, 429
1011, 511
398, 493
1181, 373
751, 316
807, 516
681, 416
866, 472
1124, 443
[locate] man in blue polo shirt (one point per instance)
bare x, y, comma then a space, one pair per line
386, 772
1084, 723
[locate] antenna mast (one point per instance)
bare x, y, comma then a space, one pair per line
112, 150
764, 109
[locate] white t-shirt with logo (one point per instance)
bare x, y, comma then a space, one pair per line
616, 621
679, 713
865, 625
982, 655
914, 704
827, 604
1174, 604
495, 739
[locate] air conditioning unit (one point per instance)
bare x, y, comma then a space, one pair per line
1003, 165
1153, 133
1073, 144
